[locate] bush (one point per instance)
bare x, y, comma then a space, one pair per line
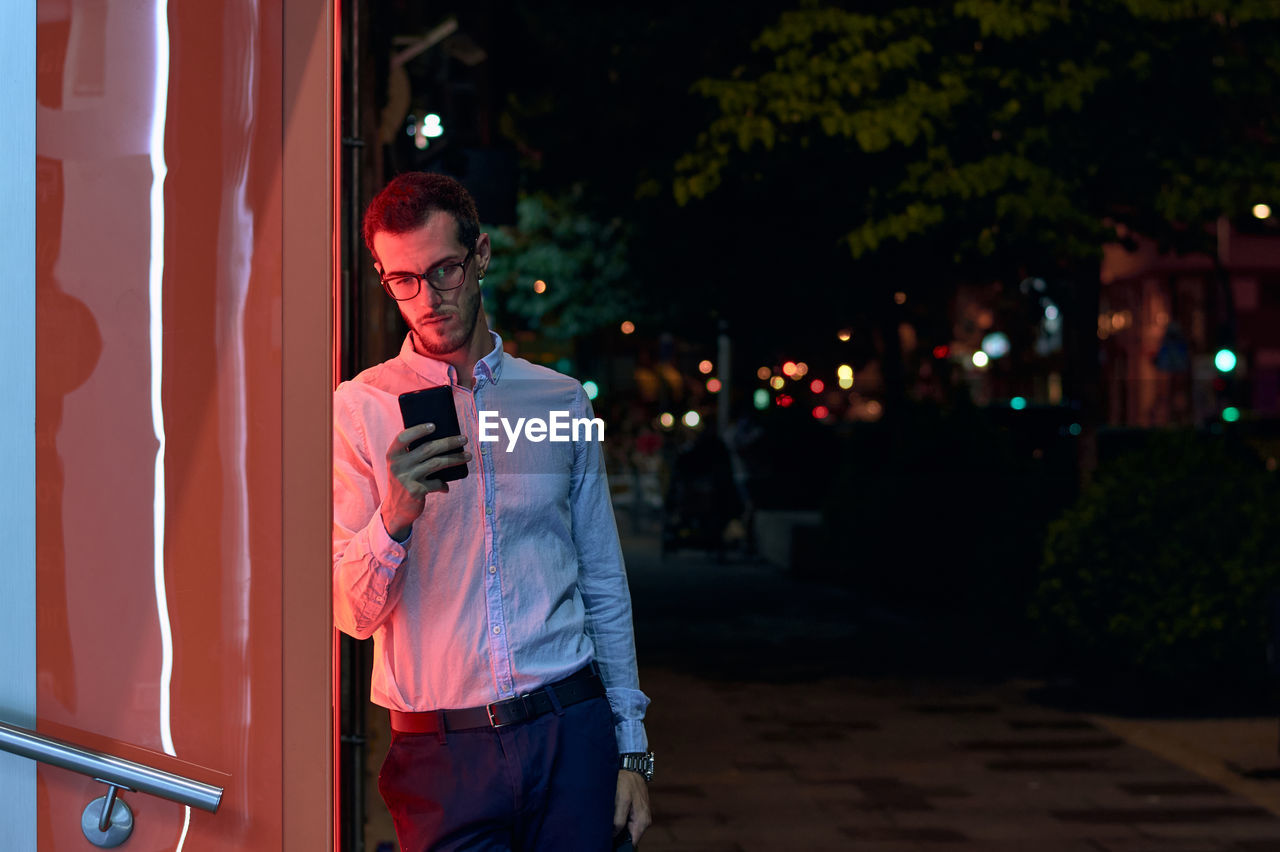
1164, 565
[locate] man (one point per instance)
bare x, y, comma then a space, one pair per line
498, 602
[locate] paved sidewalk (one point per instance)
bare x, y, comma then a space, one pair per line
770, 738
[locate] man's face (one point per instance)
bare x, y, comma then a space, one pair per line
443, 322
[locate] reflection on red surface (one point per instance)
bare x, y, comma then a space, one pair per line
159, 406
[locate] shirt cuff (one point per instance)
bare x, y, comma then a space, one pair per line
631, 736
383, 544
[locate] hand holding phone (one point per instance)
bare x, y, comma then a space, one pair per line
414, 472
433, 405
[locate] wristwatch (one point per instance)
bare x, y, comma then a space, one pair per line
637, 761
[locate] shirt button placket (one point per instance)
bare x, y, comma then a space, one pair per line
499, 650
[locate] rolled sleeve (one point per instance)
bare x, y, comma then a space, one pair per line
629, 707
366, 560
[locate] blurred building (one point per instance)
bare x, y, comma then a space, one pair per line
1185, 341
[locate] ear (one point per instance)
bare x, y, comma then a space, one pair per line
483, 250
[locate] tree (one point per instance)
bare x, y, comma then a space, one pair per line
598, 95
581, 262
1007, 137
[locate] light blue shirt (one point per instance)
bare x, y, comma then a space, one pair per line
511, 580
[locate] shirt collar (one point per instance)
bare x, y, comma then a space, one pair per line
438, 372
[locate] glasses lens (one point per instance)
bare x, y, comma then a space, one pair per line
447, 277
402, 287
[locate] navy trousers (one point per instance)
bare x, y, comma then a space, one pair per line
544, 784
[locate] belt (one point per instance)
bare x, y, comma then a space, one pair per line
579, 686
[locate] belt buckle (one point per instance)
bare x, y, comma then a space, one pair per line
523, 702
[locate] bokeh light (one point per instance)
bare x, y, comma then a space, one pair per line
592, 389
628, 327
539, 286
691, 419
844, 376
705, 366
996, 345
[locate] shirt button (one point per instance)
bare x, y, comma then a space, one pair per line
493, 569
497, 628
488, 510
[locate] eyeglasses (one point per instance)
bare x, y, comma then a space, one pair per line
405, 285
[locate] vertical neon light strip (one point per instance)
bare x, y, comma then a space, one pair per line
156, 290
159, 170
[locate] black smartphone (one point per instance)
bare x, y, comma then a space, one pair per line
434, 405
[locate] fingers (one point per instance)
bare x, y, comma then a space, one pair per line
412, 473
416, 468
621, 806
424, 473
434, 455
401, 442
631, 806
639, 821
403, 456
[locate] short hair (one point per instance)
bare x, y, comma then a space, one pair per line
409, 200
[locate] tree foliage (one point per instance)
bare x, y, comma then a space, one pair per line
1024, 129
581, 260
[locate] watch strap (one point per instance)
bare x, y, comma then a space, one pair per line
641, 762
